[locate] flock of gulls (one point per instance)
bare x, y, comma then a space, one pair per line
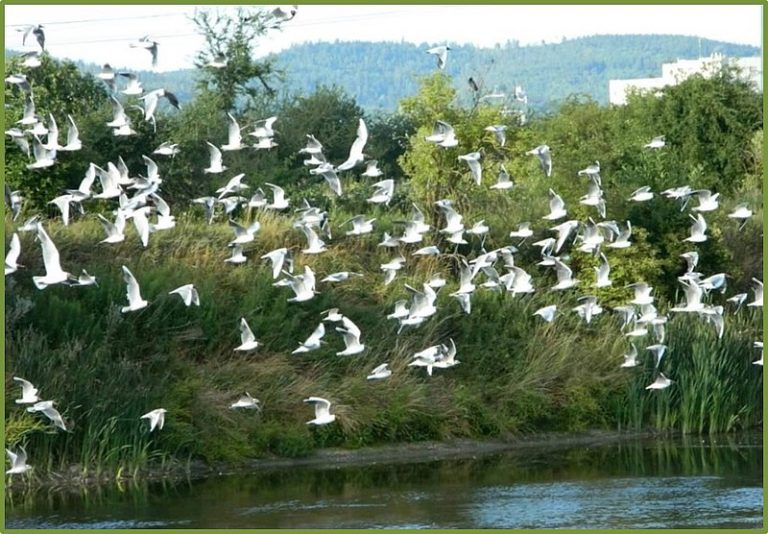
138, 199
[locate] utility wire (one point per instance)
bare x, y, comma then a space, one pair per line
81, 21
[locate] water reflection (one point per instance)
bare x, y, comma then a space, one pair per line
681, 483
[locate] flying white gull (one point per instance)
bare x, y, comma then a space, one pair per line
188, 294
473, 161
247, 339
18, 460
12, 257
380, 373
356, 155
47, 409
246, 402
28, 392
443, 135
53, 271
156, 418
441, 52
313, 342
545, 158
323, 414
135, 302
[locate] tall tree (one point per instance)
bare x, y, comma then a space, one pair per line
227, 61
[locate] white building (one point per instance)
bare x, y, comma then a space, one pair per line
673, 73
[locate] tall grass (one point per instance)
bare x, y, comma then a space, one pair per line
517, 374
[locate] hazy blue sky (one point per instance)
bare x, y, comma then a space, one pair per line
101, 34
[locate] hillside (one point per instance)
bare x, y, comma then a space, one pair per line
379, 75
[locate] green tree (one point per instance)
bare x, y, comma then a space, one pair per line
232, 38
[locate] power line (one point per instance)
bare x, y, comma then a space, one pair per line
118, 39
81, 21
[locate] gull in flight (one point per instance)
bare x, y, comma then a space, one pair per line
360, 226
759, 345
758, 290
18, 462
502, 180
593, 171
315, 245
545, 158
242, 234
556, 207
133, 86
547, 312
383, 192
441, 52
602, 272
698, 229
356, 155
37, 31
246, 402
115, 231
237, 255
28, 392
351, 335
167, 149
73, 137
235, 141
658, 351
263, 128
323, 414
135, 302
247, 339
589, 309
401, 310
473, 161
372, 170
642, 293
443, 135
277, 258
216, 165
303, 286
738, 301
741, 212
622, 241
390, 269
234, 185
342, 276
188, 294
313, 342
12, 257
53, 271
707, 200
500, 131
327, 171
656, 143
279, 202
380, 373
661, 382
156, 418
44, 157
641, 194
149, 45
630, 358
47, 409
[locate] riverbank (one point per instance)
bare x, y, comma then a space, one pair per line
330, 458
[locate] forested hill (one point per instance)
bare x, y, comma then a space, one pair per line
379, 75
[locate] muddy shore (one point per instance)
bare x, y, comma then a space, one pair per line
334, 458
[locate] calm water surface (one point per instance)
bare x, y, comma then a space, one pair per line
681, 483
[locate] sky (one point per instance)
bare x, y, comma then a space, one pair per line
101, 34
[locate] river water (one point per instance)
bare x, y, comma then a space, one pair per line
667, 483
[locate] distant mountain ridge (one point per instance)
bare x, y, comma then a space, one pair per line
379, 74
